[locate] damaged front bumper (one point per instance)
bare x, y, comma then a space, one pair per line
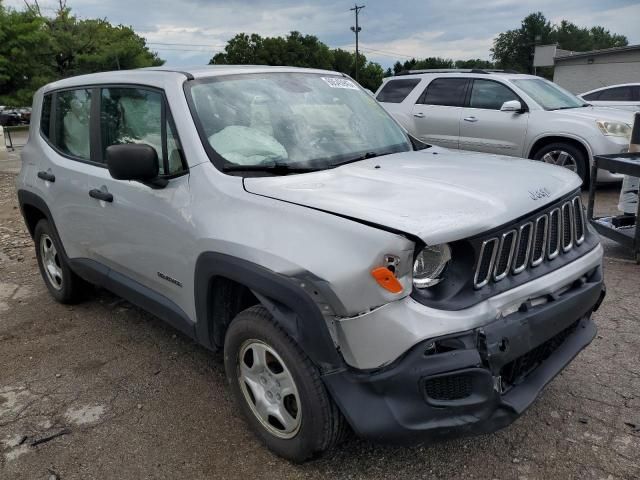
475, 381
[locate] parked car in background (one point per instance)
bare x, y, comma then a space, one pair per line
625, 96
10, 118
25, 115
506, 113
354, 277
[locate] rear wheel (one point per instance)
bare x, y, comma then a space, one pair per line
564, 155
64, 285
279, 389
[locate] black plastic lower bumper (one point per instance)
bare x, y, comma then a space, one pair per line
473, 382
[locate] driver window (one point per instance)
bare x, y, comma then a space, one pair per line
490, 95
134, 115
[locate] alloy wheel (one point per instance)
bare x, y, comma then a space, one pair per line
269, 389
561, 159
51, 262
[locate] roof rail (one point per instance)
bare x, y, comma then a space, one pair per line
455, 70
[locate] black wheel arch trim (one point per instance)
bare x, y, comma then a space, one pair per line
288, 302
27, 198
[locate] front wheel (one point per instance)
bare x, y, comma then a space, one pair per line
279, 389
564, 155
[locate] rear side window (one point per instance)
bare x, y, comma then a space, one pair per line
592, 96
395, 91
618, 94
45, 117
490, 95
445, 91
136, 115
73, 108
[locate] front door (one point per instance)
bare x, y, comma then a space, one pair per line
145, 231
484, 128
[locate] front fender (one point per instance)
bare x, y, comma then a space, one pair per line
285, 298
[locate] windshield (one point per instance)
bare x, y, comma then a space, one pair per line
292, 120
547, 94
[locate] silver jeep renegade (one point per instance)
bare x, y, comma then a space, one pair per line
355, 278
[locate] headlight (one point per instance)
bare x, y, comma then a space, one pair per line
429, 265
614, 129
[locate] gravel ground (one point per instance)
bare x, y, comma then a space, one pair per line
104, 390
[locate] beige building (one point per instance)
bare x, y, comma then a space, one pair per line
579, 72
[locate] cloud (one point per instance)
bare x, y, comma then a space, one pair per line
458, 29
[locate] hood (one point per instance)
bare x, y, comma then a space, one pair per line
438, 195
598, 113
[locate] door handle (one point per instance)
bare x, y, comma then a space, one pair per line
470, 119
419, 115
49, 177
101, 195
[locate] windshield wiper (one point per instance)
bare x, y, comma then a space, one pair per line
358, 158
276, 168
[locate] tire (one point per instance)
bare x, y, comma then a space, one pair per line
64, 285
552, 154
315, 423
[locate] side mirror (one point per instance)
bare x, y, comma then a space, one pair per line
132, 161
511, 106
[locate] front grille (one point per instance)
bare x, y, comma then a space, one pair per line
451, 387
543, 237
519, 368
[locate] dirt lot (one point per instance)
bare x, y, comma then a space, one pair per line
104, 390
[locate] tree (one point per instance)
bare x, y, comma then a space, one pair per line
513, 49
36, 49
297, 50
474, 63
23, 65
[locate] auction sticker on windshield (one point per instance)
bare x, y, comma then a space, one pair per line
339, 83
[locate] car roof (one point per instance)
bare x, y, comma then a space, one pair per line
456, 73
611, 86
158, 75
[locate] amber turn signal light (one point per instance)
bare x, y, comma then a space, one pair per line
386, 279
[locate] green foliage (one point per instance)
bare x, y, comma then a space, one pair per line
35, 49
514, 48
438, 62
21, 60
297, 50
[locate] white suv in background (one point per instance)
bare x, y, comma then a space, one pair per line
625, 96
506, 113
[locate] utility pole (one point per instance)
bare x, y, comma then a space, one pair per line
356, 30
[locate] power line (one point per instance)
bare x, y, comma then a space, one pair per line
387, 53
186, 44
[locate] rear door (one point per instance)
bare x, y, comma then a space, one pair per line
146, 234
484, 128
436, 114
66, 161
392, 96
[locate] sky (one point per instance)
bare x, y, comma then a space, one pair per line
190, 32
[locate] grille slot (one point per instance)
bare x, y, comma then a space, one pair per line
541, 238
451, 387
523, 248
555, 232
567, 226
487, 259
540, 241
505, 255
578, 220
